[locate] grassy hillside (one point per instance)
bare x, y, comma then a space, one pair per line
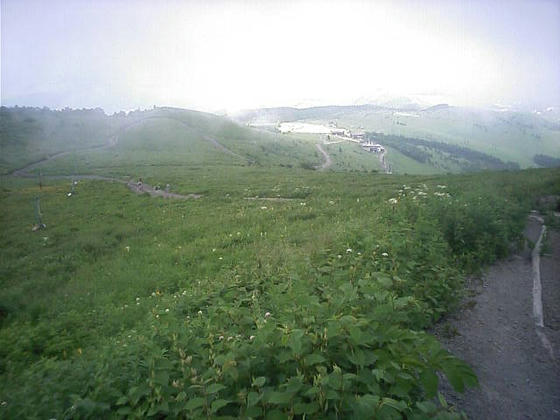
282, 292
137, 143
508, 136
225, 306
31, 134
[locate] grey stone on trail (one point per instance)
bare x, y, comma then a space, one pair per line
497, 337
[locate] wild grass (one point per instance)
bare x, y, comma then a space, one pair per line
282, 292
127, 305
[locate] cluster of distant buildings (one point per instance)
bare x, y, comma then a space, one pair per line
355, 135
358, 136
370, 146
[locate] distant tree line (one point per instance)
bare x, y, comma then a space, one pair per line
419, 150
546, 161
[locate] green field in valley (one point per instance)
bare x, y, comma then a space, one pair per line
515, 138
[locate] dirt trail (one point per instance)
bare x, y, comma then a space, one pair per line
383, 162
145, 188
111, 142
496, 334
211, 140
327, 162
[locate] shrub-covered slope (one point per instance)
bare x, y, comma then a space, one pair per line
310, 300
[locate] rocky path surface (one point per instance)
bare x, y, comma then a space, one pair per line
496, 334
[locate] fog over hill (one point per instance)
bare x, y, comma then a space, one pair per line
236, 55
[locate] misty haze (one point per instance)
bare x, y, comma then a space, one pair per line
280, 209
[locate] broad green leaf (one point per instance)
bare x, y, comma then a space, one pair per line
161, 378
122, 400
278, 397
306, 408
397, 405
429, 381
194, 403
442, 400
259, 382
255, 412
253, 398
427, 407
214, 388
314, 358
276, 415
216, 405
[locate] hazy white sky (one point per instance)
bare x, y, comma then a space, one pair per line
212, 55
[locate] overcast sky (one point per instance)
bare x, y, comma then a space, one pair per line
213, 55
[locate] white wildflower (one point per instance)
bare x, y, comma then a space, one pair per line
339, 256
349, 250
267, 315
263, 208
252, 337
200, 312
393, 201
385, 254
166, 309
221, 337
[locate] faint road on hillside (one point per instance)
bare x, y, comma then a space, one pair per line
384, 165
328, 160
139, 188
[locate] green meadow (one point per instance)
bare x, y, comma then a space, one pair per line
512, 137
282, 292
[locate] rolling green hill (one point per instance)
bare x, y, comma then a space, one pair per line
140, 142
509, 136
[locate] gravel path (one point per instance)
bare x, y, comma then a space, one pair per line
495, 333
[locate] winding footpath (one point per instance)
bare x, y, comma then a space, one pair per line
383, 162
328, 161
25, 172
509, 332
